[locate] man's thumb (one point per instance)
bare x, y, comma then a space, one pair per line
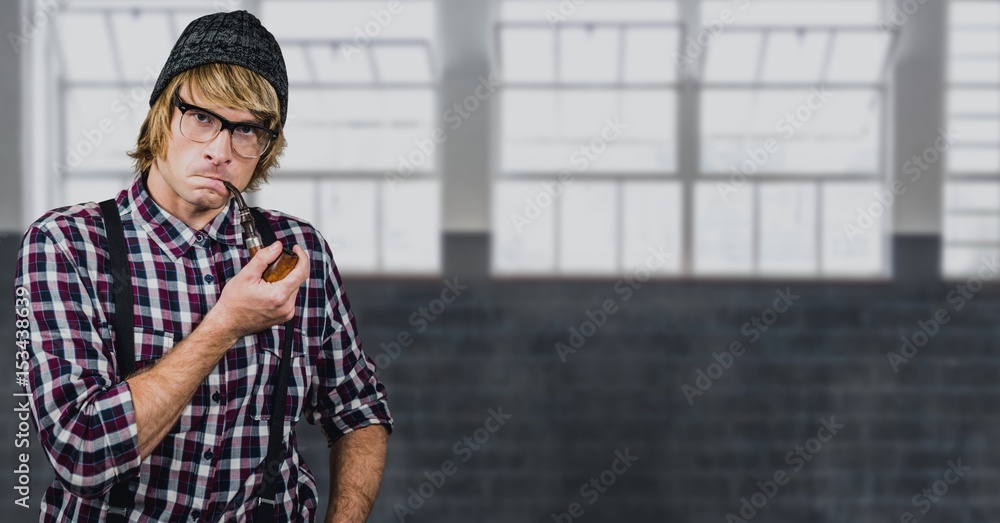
263, 258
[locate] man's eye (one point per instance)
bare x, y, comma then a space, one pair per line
246, 130
202, 117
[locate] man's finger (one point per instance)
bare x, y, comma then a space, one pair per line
258, 264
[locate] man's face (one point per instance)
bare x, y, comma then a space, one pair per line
187, 182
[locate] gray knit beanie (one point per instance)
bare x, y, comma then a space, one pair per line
236, 38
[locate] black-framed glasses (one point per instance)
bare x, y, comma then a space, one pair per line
198, 124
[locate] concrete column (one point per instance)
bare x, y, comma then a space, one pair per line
465, 158
916, 93
11, 132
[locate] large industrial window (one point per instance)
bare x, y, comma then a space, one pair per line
588, 153
362, 91
750, 134
972, 187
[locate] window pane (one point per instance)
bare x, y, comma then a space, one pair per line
974, 70
852, 242
972, 196
588, 55
733, 57
86, 47
358, 129
974, 160
399, 63
588, 243
293, 197
82, 188
961, 261
975, 42
593, 10
411, 224
645, 50
101, 126
857, 57
958, 228
332, 63
723, 230
523, 227
588, 131
310, 19
795, 57
973, 101
974, 13
527, 55
982, 130
788, 228
794, 12
144, 61
652, 215
349, 223
812, 132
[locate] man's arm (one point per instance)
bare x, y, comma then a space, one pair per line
356, 463
161, 393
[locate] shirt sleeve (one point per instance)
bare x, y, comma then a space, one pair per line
349, 396
84, 416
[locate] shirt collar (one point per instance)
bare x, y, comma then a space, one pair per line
174, 236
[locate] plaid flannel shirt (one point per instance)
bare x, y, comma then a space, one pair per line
210, 464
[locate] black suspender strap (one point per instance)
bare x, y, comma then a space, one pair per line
121, 285
268, 491
121, 500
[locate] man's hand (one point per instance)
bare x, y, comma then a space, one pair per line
249, 304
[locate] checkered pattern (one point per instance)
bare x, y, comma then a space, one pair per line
210, 463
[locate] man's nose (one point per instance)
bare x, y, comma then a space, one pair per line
220, 149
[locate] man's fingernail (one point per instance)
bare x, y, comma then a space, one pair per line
274, 246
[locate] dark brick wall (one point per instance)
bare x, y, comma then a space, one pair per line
620, 393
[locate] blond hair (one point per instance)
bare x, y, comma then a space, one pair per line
222, 85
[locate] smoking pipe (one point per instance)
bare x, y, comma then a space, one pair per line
279, 268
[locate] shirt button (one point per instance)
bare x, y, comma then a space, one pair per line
208, 454
199, 238
216, 396
209, 278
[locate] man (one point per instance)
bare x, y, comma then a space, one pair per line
189, 428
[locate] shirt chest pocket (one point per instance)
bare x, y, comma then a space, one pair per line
268, 355
149, 345
152, 345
